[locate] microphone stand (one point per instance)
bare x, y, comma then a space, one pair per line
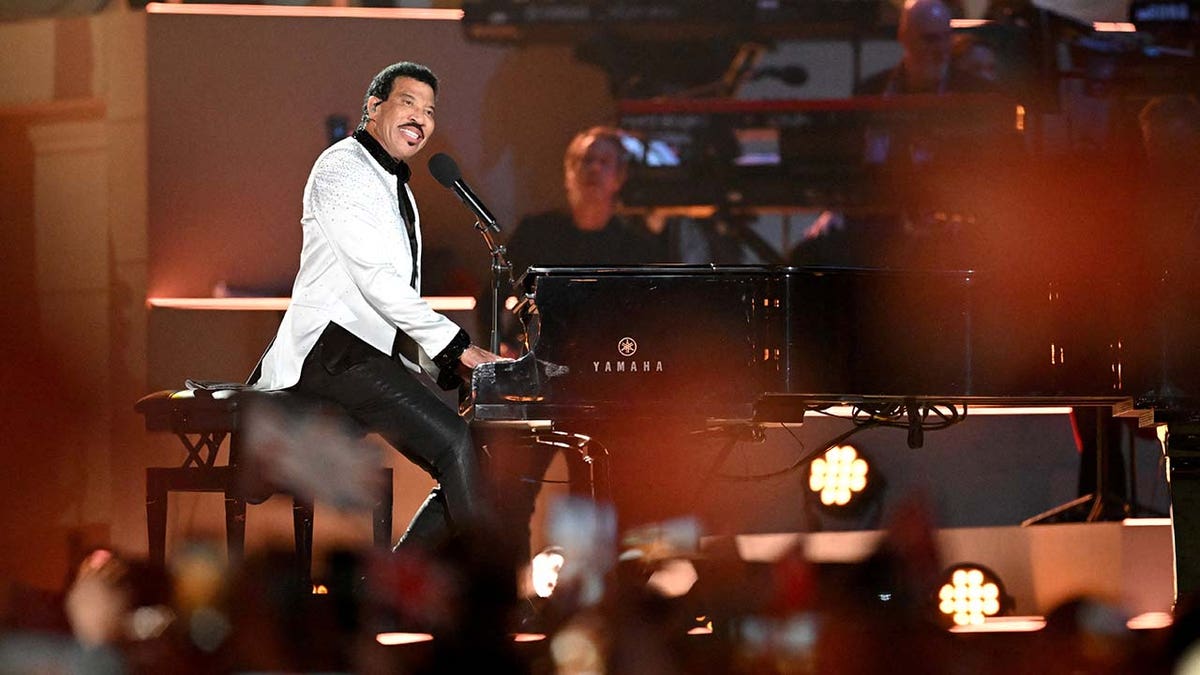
501, 269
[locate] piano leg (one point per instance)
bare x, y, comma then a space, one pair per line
1183, 457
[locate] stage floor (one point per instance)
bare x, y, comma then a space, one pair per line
1128, 563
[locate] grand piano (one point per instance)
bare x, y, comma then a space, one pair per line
694, 347
753, 342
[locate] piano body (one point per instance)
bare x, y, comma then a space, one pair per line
708, 342
688, 347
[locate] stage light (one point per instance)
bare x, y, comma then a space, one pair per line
1113, 27
971, 594
544, 569
1150, 621
394, 639
1004, 624
704, 626
838, 476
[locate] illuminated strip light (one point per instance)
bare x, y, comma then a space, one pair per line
1150, 621
969, 23
440, 303
1113, 27
1004, 624
304, 11
1146, 522
393, 639
847, 411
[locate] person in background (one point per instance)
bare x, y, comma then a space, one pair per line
975, 57
915, 236
926, 38
590, 231
1162, 255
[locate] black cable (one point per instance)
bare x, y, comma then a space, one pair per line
885, 414
801, 461
895, 415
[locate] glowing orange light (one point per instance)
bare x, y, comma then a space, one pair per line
305, 11
1004, 624
1150, 621
968, 23
1113, 27
1020, 123
528, 637
320, 589
544, 570
392, 639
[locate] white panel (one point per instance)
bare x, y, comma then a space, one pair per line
26, 62
71, 206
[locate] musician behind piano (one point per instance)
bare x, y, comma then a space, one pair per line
1160, 258
927, 41
357, 329
913, 238
590, 231
1170, 129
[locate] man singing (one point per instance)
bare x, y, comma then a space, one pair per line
357, 330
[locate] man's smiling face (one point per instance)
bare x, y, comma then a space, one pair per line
404, 121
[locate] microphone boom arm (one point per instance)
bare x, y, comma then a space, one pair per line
486, 219
501, 270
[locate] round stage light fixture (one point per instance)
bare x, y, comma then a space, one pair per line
838, 476
970, 594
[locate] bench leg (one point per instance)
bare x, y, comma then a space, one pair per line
235, 528
156, 517
382, 514
302, 522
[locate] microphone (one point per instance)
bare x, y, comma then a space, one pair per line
445, 170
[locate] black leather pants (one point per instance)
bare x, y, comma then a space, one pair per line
383, 396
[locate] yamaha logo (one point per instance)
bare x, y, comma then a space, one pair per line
627, 346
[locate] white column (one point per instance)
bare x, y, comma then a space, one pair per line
71, 206
119, 78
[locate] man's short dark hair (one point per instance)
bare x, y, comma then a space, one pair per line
381, 84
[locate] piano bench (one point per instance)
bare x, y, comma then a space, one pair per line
202, 419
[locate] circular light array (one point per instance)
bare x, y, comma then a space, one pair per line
971, 594
838, 476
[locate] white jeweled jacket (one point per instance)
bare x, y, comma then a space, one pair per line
355, 268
